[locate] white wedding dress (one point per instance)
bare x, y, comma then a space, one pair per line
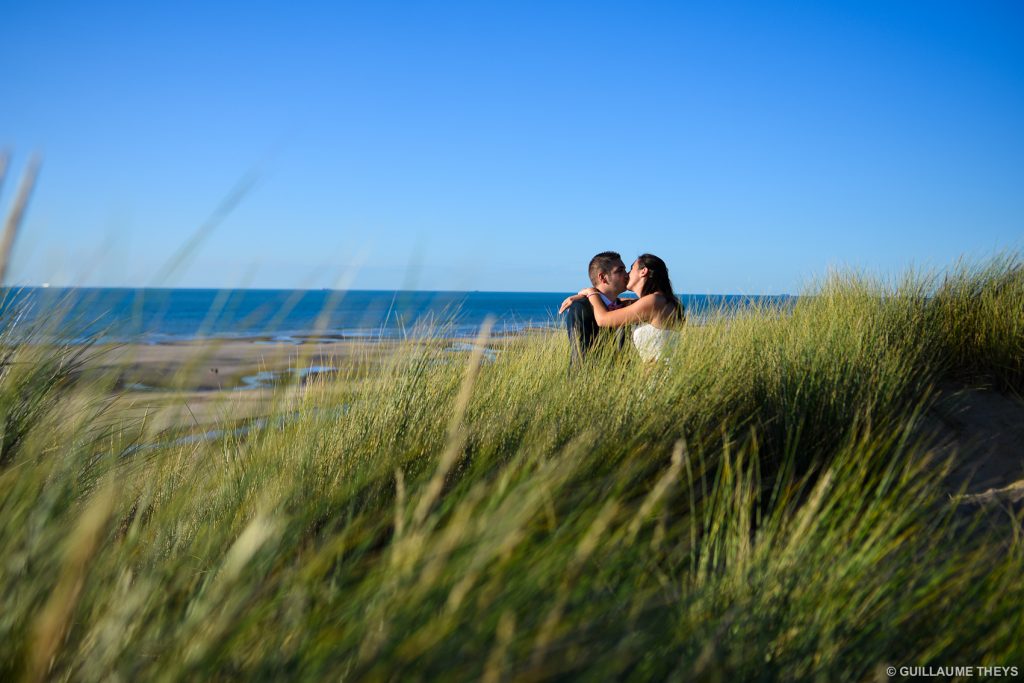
650, 341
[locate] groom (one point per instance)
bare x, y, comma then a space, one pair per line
609, 276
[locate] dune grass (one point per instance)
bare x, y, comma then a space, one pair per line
761, 505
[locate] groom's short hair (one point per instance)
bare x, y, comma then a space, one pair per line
603, 263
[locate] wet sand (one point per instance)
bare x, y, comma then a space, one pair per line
217, 365
196, 384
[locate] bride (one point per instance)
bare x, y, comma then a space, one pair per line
655, 313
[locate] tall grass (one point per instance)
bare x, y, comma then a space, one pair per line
761, 505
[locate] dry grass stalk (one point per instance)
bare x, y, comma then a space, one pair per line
52, 622
17, 212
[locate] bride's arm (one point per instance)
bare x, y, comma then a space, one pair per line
569, 301
642, 310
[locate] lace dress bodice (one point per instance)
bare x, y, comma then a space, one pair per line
650, 341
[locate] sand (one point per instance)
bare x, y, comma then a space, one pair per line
197, 384
981, 431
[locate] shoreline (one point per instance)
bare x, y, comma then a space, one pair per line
217, 364
198, 383
295, 339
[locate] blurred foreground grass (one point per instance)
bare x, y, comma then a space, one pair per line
762, 505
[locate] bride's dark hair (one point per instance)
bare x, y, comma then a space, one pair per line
658, 281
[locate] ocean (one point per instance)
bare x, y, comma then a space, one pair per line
168, 315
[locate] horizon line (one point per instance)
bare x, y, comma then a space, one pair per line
332, 289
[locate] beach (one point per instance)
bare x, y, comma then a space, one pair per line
202, 382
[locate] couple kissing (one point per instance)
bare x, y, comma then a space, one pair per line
654, 314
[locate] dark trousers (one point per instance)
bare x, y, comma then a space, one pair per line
584, 332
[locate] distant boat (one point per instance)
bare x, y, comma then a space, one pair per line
45, 285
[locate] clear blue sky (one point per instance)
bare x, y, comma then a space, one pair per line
497, 146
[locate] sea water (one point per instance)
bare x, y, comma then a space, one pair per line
275, 315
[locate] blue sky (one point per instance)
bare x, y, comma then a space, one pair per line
497, 146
